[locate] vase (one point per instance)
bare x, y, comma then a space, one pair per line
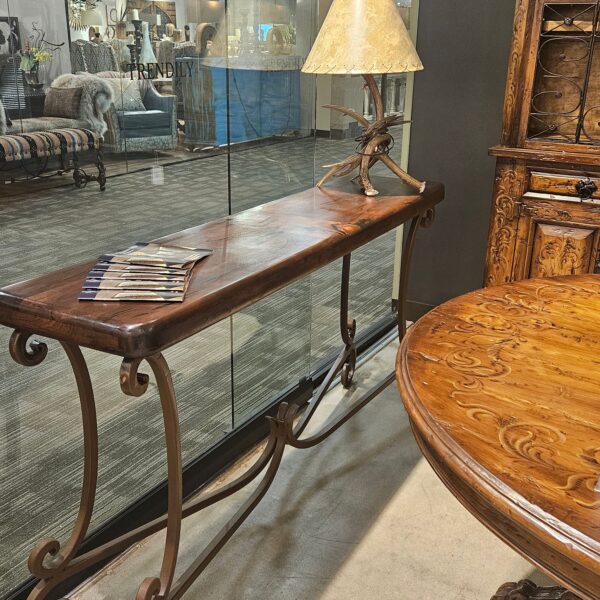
147, 54
32, 78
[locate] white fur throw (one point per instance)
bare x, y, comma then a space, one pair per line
96, 98
3, 125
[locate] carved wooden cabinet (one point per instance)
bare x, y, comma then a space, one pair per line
545, 217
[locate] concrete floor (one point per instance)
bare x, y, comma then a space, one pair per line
361, 516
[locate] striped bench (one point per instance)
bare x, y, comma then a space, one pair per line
57, 143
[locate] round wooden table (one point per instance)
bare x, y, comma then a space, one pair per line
502, 387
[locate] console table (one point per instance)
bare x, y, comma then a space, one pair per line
256, 252
502, 390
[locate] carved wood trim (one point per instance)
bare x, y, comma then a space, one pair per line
509, 187
513, 99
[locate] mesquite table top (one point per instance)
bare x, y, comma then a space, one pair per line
502, 387
256, 252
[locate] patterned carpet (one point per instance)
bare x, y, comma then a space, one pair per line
275, 342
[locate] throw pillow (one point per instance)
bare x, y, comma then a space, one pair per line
127, 95
63, 102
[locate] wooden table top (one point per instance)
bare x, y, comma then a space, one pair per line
256, 252
502, 387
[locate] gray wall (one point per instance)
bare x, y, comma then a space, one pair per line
457, 116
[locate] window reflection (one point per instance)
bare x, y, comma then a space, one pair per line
212, 91
154, 72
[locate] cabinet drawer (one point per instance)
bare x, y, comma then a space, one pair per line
577, 186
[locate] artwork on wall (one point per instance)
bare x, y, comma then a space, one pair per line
79, 11
10, 38
158, 18
149, 9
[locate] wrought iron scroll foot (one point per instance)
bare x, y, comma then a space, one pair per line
82, 178
527, 590
349, 369
134, 383
49, 559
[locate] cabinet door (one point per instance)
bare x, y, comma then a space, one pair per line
554, 239
565, 99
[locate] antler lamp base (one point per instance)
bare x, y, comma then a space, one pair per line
374, 146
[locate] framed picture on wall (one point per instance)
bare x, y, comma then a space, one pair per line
10, 38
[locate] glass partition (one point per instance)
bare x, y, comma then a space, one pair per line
272, 144
204, 112
157, 184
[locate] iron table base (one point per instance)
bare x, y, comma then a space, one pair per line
527, 590
53, 563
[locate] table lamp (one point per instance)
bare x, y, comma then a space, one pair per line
365, 37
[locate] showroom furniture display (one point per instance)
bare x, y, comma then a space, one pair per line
501, 388
180, 51
365, 37
93, 57
29, 145
122, 53
255, 253
545, 218
96, 98
33, 151
264, 98
148, 130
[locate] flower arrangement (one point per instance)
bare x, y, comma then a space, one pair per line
32, 58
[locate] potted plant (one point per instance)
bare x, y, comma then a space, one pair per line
31, 59
37, 52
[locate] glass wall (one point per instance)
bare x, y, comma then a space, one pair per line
204, 112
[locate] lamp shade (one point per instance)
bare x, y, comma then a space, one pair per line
363, 37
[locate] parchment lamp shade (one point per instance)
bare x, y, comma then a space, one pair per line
365, 37
360, 37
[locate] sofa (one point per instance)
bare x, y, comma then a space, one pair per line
73, 124
149, 127
96, 99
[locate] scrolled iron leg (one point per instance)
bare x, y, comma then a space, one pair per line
49, 560
280, 425
135, 384
79, 175
101, 170
527, 590
347, 327
55, 566
425, 221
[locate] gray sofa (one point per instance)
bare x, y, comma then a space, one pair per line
96, 99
